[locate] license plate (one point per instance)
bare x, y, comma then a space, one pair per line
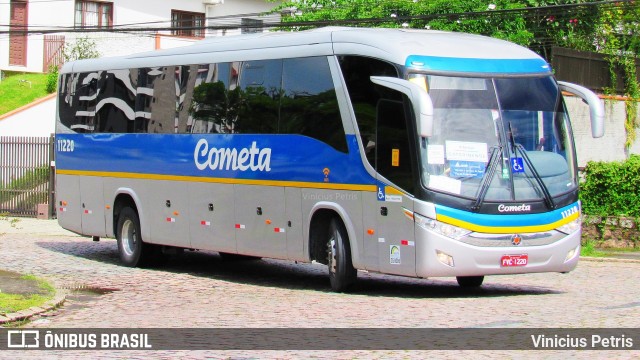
514, 260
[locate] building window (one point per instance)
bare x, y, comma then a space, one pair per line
250, 26
186, 23
94, 14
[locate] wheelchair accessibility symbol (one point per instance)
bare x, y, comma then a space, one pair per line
381, 195
517, 165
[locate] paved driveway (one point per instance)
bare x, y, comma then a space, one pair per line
200, 290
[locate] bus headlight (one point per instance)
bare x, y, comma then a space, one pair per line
572, 253
445, 258
571, 227
441, 228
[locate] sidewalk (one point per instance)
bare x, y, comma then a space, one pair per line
31, 226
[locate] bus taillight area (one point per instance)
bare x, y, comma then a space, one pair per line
484, 254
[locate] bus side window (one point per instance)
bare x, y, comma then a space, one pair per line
115, 110
84, 100
260, 83
67, 102
357, 71
309, 105
213, 107
162, 108
393, 150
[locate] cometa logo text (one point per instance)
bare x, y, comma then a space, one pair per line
514, 208
253, 158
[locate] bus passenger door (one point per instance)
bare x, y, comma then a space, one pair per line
394, 164
261, 229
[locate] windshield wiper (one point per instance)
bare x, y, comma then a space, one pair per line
548, 199
488, 176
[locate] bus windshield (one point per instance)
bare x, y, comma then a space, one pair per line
498, 139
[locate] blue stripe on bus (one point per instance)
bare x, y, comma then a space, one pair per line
492, 66
512, 220
292, 157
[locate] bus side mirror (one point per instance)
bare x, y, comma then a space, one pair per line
596, 108
420, 99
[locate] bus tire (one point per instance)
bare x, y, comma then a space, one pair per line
341, 271
132, 250
470, 281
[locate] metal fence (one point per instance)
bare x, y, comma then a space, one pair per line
588, 69
26, 176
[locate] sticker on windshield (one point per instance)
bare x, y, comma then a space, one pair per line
466, 169
517, 165
445, 183
435, 154
395, 157
467, 151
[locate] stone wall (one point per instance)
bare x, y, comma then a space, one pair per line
611, 232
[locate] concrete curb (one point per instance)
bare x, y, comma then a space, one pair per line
28, 106
57, 301
609, 259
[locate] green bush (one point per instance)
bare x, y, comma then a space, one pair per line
51, 84
612, 188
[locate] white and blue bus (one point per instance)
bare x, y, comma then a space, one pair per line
415, 153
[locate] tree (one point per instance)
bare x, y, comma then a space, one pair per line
82, 48
473, 16
539, 24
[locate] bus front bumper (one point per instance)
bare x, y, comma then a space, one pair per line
438, 256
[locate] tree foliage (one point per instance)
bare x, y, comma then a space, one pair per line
538, 24
447, 15
82, 48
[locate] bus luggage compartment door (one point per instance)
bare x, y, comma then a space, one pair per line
260, 221
212, 217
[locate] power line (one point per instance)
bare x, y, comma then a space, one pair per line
137, 28
38, 2
232, 22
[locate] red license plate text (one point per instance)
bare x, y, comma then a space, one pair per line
514, 260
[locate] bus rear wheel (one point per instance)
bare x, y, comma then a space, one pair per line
341, 271
470, 281
132, 250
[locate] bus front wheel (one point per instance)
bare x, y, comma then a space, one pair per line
133, 251
341, 271
470, 281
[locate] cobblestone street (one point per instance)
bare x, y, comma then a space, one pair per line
201, 290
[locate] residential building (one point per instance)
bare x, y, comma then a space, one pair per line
154, 25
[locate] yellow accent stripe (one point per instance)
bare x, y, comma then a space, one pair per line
507, 229
392, 191
298, 184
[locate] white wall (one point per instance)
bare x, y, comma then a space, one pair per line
40, 14
126, 12
610, 147
38, 120
228, 7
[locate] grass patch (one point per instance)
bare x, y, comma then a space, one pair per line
10, 303
589, 249
15, 93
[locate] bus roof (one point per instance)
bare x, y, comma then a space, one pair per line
419, 49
